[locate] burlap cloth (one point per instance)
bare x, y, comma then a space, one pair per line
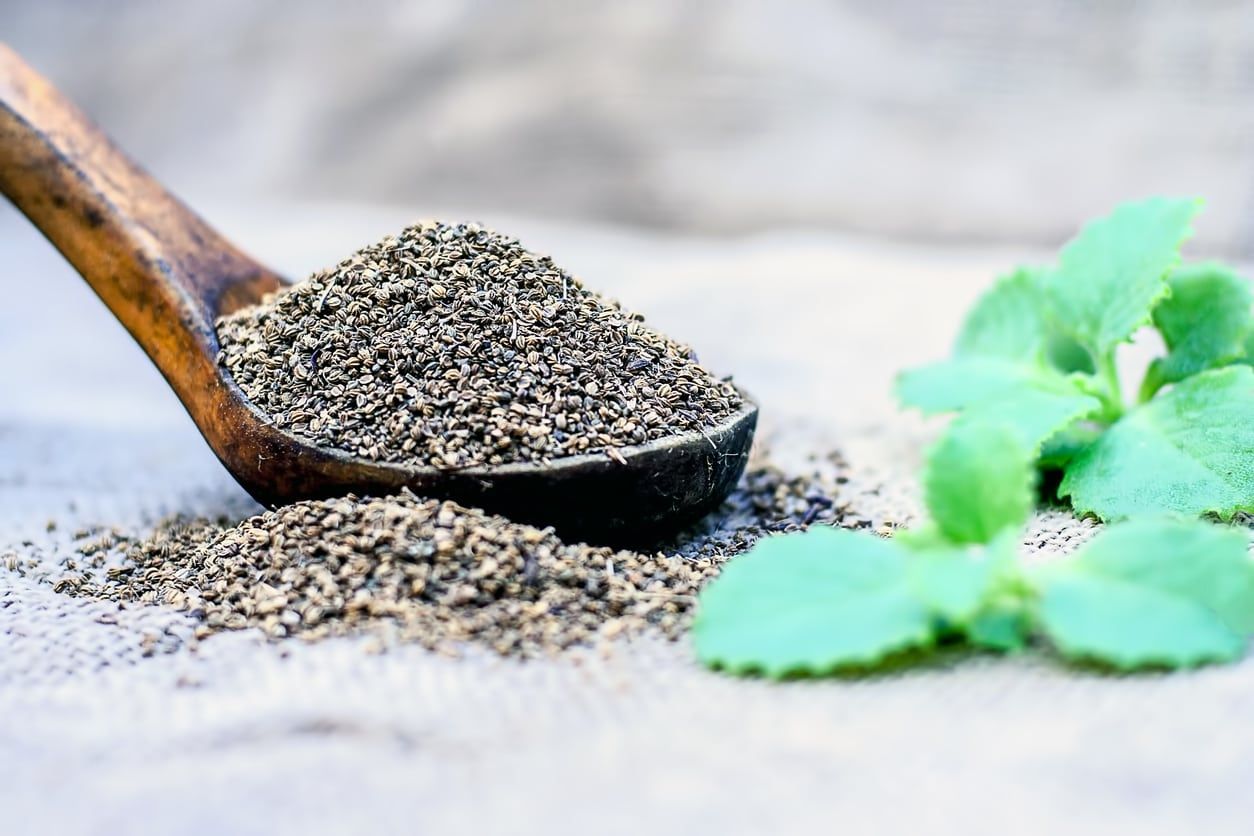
109, 723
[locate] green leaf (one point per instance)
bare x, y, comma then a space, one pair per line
979, 481
1204, 323
1008, 321
966, 381
1113, 273
955, 581
974, 589
999, 369
811, 603
952, 581
1036, 402
1189, 451
1153, 593
1058, 451
1034, 416
1067, 355
1011, 321
1003, 627
958, 383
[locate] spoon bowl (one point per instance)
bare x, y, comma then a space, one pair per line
167, 276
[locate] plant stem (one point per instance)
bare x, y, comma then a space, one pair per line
1113, 394
1151, 384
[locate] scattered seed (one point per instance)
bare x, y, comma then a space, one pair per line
438, 574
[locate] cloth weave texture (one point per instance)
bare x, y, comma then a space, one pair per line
110, 722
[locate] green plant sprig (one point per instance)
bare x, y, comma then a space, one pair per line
1038, 352
1147, 593
1035, 383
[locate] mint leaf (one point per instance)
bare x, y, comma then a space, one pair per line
1067, 355
955, 384
1003, 627
1036, 402
1113, 273
1011, 322
1008, 321
956, 581
952, 582
1035, 381
979, 481
1001, 369
1058, 451
811, 603
1204, 323
967, 381
1189, 451
1153, 593
1034, 416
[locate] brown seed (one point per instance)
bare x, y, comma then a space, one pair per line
408, 350
439, 574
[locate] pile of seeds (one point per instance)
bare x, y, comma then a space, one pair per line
436, 573
452, 346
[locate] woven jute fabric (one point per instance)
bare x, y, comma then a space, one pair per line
112, 721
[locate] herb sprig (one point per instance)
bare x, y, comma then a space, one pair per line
1038, 352
1034, 380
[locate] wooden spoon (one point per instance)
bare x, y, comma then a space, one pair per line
168, 276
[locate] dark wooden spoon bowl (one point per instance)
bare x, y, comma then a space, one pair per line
168, 276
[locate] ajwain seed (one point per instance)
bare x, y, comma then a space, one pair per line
439, 574
428, 333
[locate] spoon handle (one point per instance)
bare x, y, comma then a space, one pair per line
160, 268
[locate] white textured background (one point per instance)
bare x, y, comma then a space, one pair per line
243, 737
866, 147
968, 120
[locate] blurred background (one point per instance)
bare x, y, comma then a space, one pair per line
966, 121
810, 192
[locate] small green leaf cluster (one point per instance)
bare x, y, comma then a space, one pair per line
1034, 380
1152, 592
1037, 352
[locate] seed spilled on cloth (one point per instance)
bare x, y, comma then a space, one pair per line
451, 345
411, 569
